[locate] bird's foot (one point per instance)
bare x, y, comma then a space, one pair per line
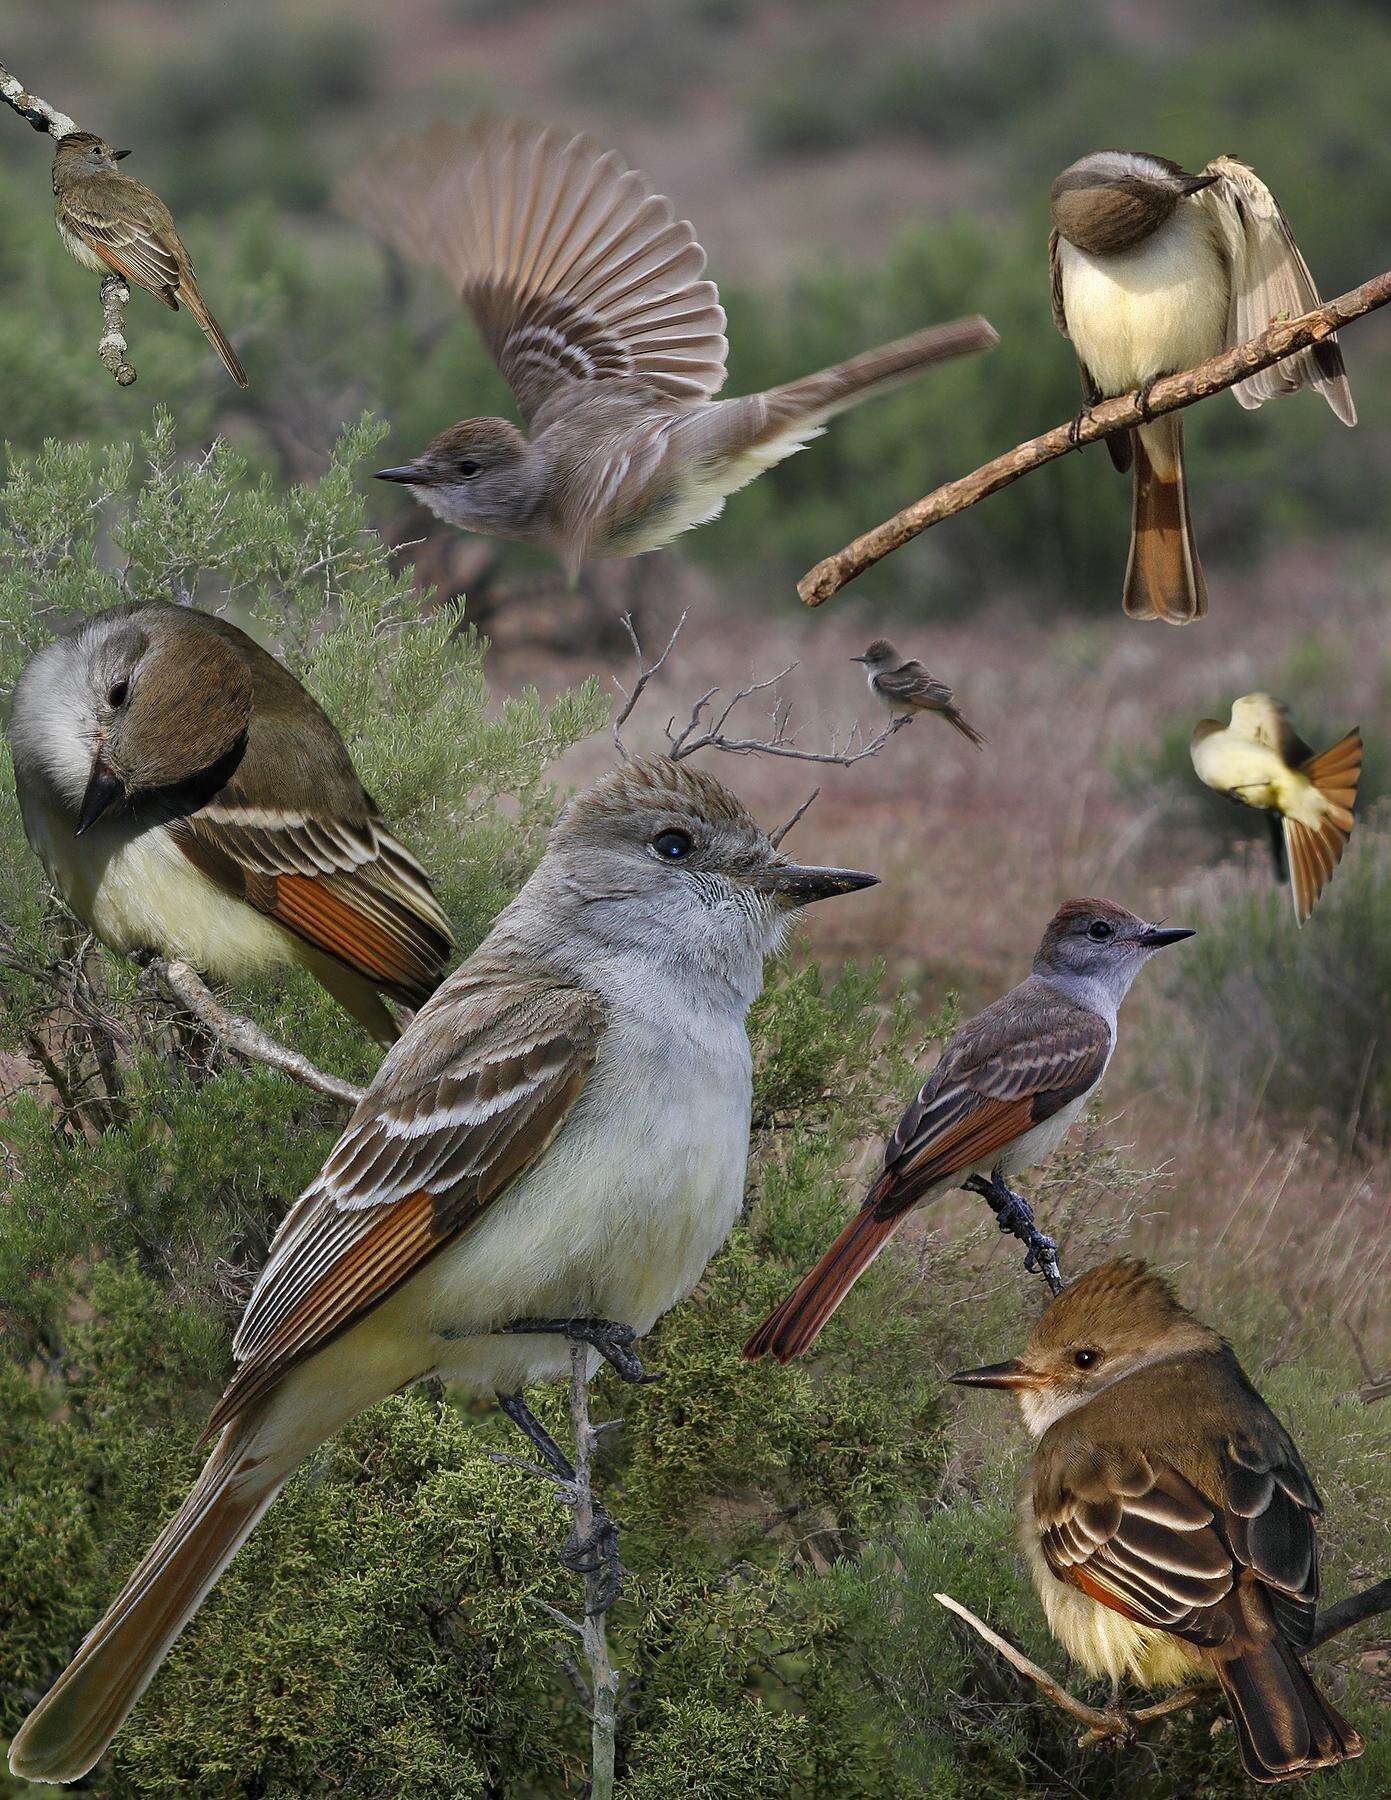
596, 1554
1142, 398
614, 1342
1074, 430
1014, 1214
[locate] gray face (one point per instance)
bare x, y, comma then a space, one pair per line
481, 475
1101, 946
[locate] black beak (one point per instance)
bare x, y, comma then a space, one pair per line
103, 790
1194, 184
1154, 937
859, 659
116, 155
1011, 1374
793, 884
410, 473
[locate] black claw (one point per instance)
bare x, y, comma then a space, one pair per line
594, 1555
1074, 430
1142, 398
613, 1341
1014, 1214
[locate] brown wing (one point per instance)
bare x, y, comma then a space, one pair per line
1018, 1063
574, 270
131, 243
1269, 280
467, 1100
1119, 445
346, 886
913, 686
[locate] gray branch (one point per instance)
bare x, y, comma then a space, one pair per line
39, 113
243, 1035
603, 1677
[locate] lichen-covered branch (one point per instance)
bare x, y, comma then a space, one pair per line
115, 297
1281, 338
39, 113
243, 1035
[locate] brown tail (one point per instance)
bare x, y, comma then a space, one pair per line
953, 717
1313, 852
1284, 1726
84, 1709
214, 333
1163, 579
816, 398
797, 1323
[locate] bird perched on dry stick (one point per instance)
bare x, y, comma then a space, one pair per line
1007, 1087
551, 1154
187, 796
113, 225
1153, 271
1167, 1516
907, 687
589, 293
1260, 760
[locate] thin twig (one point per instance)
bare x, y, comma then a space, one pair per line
603, 1677
775, 837
1112, 1723
1281, 338
1351, 1611
644, 675
246, 1037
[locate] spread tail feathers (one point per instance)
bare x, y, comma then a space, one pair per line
797, 1323
1284, 1726
75, 1721
1313, 851
1163, 578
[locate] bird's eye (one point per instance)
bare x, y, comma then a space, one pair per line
469, 469
1098, 931
116, 693
671, 846
1086, 1359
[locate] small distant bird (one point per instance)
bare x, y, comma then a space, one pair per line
1260, 760
561, 1133
188, 797
906, 687
589, 293
1155, 270
113, 225
1168, 1519
1007, 1087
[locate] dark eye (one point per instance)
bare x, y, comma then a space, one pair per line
116, 693
1085, 1359
671, 846
469, 469
1098, 931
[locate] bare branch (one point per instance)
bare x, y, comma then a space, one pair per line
644, 675
1281, 338
775, 837
1350, 1611
39, 113
1112, 1723
603, 1677
246, 1037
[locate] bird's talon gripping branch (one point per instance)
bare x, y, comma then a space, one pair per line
1074, 430
613, 1341
1014, 1214
1142, 398
594, 1554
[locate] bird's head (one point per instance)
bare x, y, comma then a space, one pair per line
1099, 946
482, 475
1115, 1319
1112, 199
659, 860
81, 153
880, 655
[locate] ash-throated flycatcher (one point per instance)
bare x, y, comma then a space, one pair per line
188, 797
1153, 271
553, 1150
1167, 1516
905, 686
1007, 1087
1260, 760
589, 293
113, 225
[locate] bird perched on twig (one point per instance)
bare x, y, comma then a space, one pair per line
907, 687
551, 1154
114, 225
1153, 271
1167, 1516
1259, 760
188, 797
1006, 1088
589, 293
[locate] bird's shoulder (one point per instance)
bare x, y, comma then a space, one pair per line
1029, 1038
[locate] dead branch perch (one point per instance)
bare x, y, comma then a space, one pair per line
244, 1036
1105, 1723
1281, 338
115, 294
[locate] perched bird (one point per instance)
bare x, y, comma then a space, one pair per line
113, 225
1167, 1516
187, 797
1007, 1087
551, 1153
907, 687
1155, 270
589, 293
1260, 760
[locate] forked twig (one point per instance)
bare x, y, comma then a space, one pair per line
1281, 338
